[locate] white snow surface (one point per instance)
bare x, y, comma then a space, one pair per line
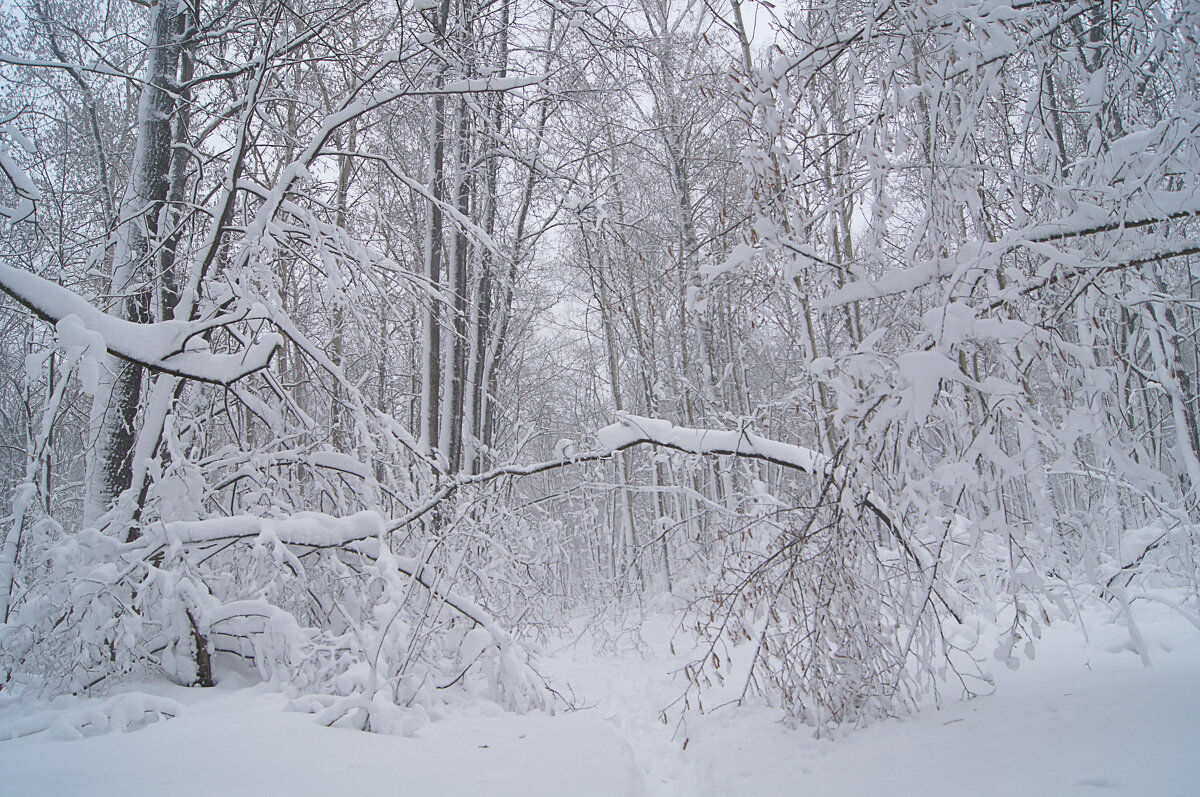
1085, 717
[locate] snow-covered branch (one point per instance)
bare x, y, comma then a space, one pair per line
1083, 223
306, 529
632, 430
361, 532
27, 193
172, 347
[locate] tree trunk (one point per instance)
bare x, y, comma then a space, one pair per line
118, 394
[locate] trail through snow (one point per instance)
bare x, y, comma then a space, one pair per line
1084, 718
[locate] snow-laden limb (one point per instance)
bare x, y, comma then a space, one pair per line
27, 193
98, 68
308, 529
360, 532
172, 347
632, 430
1084, 222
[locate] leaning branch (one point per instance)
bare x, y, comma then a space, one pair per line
632, 430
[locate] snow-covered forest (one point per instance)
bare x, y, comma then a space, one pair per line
369, 351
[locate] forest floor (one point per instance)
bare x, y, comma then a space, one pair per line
1084, 717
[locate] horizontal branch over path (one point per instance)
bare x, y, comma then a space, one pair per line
315, 530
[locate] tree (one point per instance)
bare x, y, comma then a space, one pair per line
237, 231
961, 183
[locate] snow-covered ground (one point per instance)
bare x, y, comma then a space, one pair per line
1085, 717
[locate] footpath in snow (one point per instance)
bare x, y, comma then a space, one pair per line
1083, 718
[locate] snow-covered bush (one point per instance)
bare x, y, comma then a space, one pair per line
316, 604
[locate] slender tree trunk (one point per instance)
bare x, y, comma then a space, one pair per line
454, 347
431, 344
339, 416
